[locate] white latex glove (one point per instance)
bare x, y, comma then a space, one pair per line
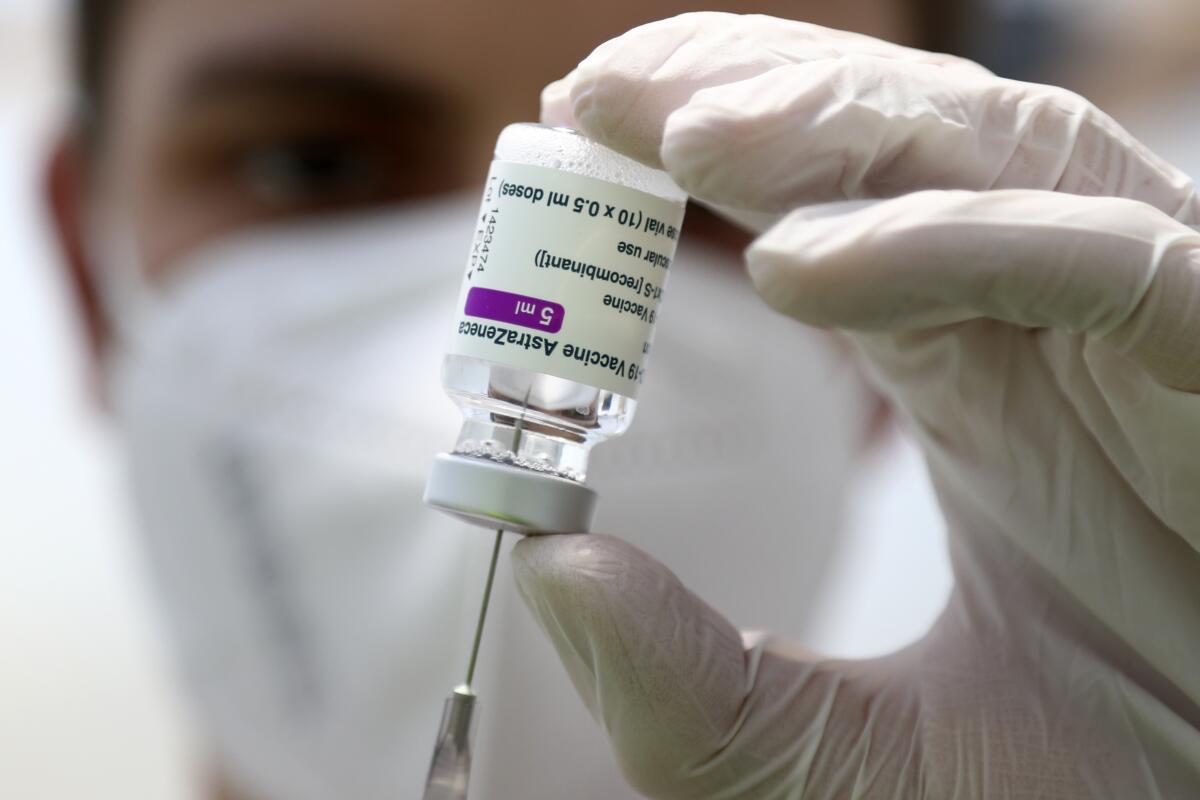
1039, 325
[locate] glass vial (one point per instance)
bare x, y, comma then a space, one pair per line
555, 319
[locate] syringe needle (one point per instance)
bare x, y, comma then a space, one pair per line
450, 770
487, 596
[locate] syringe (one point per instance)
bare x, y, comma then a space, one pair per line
450, 770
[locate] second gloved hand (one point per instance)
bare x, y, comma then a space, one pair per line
1020, 276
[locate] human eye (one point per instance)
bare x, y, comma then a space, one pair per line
245, 153
312, 169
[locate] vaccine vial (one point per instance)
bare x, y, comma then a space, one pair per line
553, 328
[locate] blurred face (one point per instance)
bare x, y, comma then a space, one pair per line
225, 114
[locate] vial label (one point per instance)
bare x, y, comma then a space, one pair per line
565, 276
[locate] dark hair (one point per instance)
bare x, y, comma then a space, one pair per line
96, 24
939, 25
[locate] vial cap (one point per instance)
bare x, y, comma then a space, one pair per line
495, 495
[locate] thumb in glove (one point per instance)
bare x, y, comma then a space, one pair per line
694, 709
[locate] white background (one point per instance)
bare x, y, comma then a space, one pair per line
86, 709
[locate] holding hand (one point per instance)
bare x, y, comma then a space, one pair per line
1020, 275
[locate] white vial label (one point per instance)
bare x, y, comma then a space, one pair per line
565, 276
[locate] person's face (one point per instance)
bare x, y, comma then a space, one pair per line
225, 114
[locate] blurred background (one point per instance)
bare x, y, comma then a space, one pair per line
88, 707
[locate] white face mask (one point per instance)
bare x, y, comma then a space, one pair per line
280, 403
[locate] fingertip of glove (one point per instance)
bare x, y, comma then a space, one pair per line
589, 592
771, 140
802, 265
782, 267
556, 105
609, 97
662, 671
570, 563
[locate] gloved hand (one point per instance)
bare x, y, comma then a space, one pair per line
1023, 283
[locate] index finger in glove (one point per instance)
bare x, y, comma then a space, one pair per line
753, 114
624, 91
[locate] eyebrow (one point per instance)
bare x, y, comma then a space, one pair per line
314, 78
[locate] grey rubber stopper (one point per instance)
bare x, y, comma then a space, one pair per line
495, 495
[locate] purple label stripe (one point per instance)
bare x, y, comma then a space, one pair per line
515, 309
